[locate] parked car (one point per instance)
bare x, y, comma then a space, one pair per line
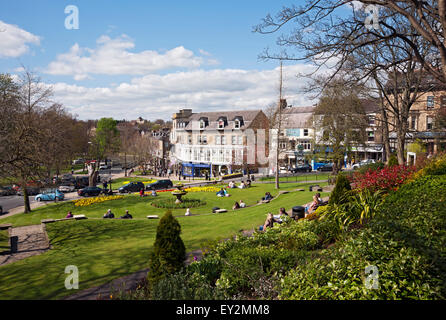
50, 196
104, 166
81, 182
1, 210
362, 163
32, 191
66, 188
89, 191
78, 161
131, 187
160, 185
302, 168
7, 191
326, 167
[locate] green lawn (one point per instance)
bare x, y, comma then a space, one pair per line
4, 240
107, 249
319, 176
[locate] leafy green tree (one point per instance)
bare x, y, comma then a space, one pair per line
105, 142
341, 188
169, 251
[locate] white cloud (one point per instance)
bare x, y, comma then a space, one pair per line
14, 41
112, 57
159, 96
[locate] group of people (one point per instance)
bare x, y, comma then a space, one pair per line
243, 185
271, 219
142, 193
110, 215
267, 197
223, 193
240, 205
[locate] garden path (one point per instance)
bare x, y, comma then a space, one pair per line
32, 240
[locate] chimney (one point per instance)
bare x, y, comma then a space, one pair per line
283, 103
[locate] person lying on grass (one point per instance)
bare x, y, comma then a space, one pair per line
242, 204
69, 215
236, 206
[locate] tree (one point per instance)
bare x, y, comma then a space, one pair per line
105, 142
339, 122
325, 30
341, 188
127, 133
24, 105
169, 252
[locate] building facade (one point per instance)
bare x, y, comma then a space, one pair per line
217, 143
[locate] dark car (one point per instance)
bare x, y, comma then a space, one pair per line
7, 191
131, 187
1, 210
160, 185
327, 167
302, 168
89, 191
31, 191
81, 182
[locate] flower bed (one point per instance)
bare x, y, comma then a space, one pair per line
89, 201
170, 203
386, 179
203, 189
145, 182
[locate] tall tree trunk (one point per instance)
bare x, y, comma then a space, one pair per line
125, 163
385, 135
401, 141
26, 198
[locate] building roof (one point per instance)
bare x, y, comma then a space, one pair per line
213, 117
297, 117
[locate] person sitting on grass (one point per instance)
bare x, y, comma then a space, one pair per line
141, 192
232, 185
282, 212
222, 193
242, 185
127, 215
188, 212
236, 206
313, 206
154, 193
269, 222
248, 183
69, 215
109, 215
267, 197
242, 204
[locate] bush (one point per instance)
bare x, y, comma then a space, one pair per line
393, 161
389, 178
342, 186
169, 251
405, 242
371, 167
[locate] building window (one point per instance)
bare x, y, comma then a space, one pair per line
429, 123
370, 136
443, 101
218, 140
202, 140
240, 140
430, 102
371, 120
306, 144
413, 122
305, 132
223, 140
189, 139
221, 124
234, 140
237, 124
202, 124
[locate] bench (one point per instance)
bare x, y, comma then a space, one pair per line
5, 226
152, 217
221, 211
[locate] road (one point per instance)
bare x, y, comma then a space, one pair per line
12, 203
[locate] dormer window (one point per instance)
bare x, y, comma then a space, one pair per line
202, 124
221, 124
237, 124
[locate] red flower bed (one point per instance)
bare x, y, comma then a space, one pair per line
388, 178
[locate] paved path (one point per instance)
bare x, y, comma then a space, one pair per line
33, 240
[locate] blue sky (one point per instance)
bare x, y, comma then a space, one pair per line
173, 44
